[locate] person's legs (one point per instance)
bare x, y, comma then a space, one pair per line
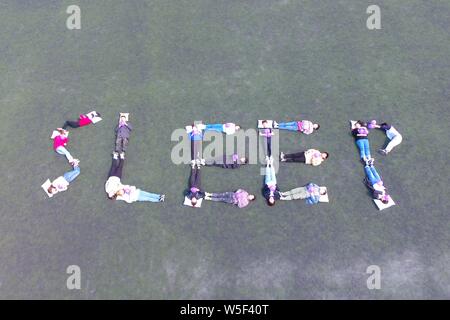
295, 157
71, 175
72, 124
118, 147
372, 175
295, 194
393, 143
124, 144
214, 127
269, 146
375, 173
291, 126
116, 168
196, 149
63, 151
367, 148
222, 197
361, 145
270, 177
148, 196
195, 178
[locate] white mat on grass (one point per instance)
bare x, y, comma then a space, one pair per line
187, 202
93, 115
382, 206
45, 186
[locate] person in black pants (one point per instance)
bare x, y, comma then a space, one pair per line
113, 184
195, 192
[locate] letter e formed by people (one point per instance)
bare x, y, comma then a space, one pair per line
74, 20
374, 20
74, 280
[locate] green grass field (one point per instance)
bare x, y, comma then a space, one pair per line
170, 62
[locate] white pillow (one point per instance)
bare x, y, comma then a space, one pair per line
187, 202
94, 117
324, 197
45, 186
382, 206
126, 115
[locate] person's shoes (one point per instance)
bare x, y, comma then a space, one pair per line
162, 198
115, 156
202, 162
383, 152
267, 159
75, 163
282, 156
193, 163
371, 161
122, 155
271, 160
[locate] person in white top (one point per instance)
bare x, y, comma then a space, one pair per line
61, 183
132, 194
395, 138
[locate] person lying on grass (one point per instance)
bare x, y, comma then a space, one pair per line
59, 144
195, 192
303, 126
123, 131
240, 198
132, 194
312, 156
361, 133
270, 190
311, 193
374, 182
227, 128
62, 183
226, 161
395, 138
82, 121
113, 183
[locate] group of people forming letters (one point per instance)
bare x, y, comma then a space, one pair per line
195, 194
311, 192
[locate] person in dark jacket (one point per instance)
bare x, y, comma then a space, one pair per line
195, 192
123, 131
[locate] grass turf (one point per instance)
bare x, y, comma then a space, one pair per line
171, 62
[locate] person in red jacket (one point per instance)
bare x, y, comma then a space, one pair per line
82, 121
59, 144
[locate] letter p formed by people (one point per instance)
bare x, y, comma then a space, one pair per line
73, 22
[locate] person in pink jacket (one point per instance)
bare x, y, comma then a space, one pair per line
60, 143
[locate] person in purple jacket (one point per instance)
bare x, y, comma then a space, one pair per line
240, 197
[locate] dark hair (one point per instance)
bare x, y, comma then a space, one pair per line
362, 123
328, 155
49, 190
254, 197
264, 121
269, 203
318, 126
246, 160
385, 201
